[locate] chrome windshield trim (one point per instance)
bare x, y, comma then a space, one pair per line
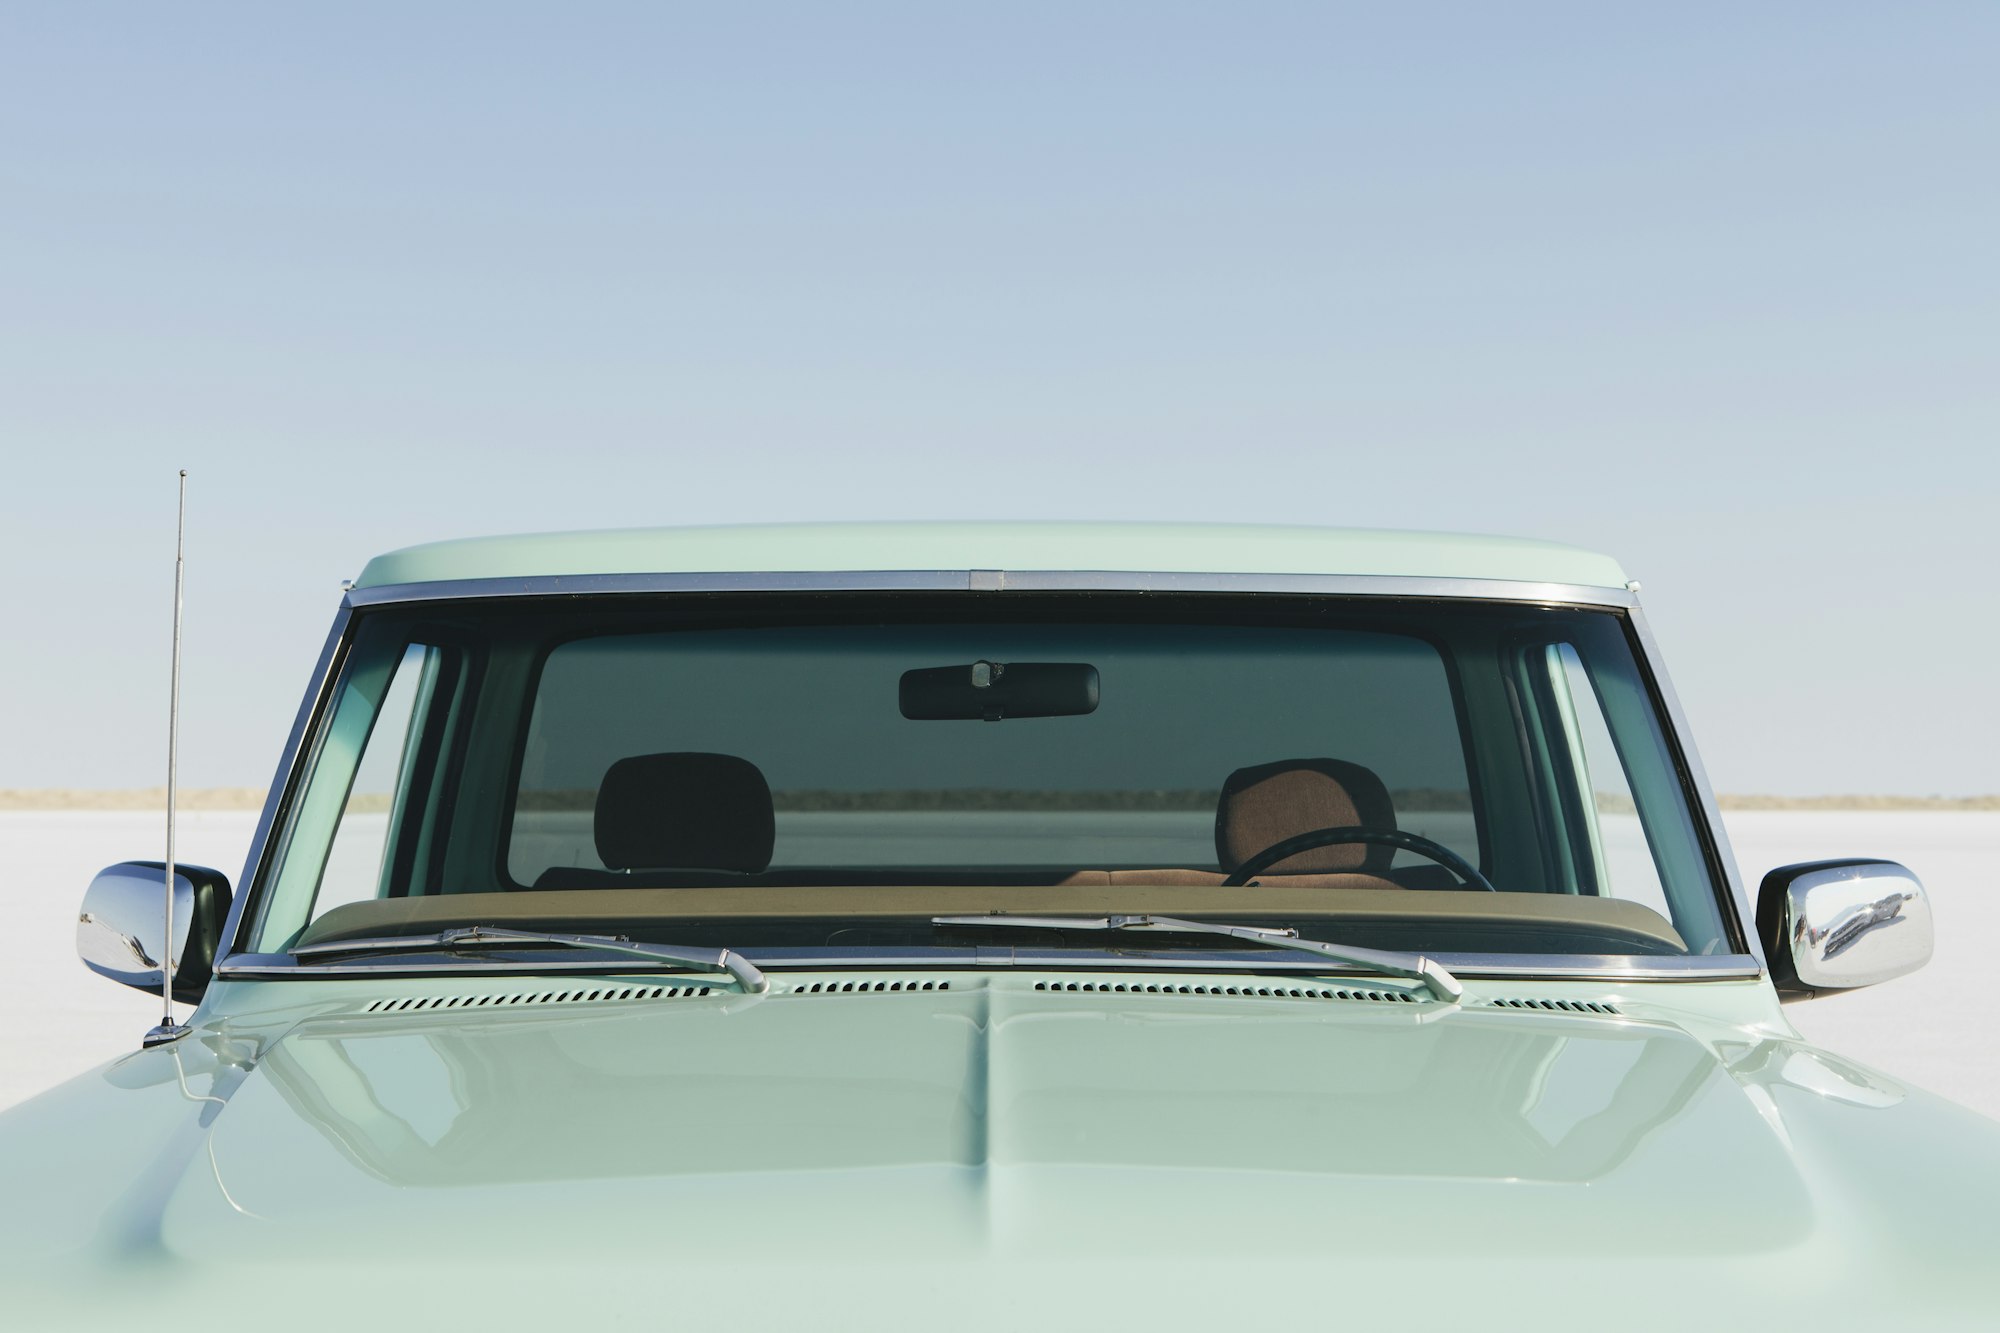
1323, 585
1555, 967
1707, 809
319, 686
602, 585
1604, 967
973, 580
1521, 967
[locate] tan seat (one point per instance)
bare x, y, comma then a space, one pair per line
1178, 878
1269, 803
1262, 806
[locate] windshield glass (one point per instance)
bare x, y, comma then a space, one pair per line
834, 771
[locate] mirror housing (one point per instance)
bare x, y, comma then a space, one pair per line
1836, 925
996, 691
118, 932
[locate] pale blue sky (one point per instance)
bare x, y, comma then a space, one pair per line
1711, 287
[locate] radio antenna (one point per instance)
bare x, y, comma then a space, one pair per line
168, 1030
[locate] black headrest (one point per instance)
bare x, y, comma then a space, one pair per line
1263, 806
687, 811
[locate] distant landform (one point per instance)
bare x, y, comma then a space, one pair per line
252, 798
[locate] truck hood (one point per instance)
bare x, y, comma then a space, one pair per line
857, 1158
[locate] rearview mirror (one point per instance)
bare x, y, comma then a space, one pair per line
119, 931
995, 691
1836, 925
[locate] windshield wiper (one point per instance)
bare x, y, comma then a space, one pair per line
747, 975
1414, 966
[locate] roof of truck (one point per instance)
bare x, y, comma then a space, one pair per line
1098, 547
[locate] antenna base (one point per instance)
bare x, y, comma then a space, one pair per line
164, 1033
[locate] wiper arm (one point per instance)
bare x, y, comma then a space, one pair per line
747, 974
1414, 966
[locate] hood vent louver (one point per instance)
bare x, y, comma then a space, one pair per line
1239, 992
1555, 1006
592, 995
867, 987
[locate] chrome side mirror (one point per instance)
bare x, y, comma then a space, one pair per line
119, 930
1835, 925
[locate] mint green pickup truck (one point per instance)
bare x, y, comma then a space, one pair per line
968, 927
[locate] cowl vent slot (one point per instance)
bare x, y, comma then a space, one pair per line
866, 987
1239, 992
594, 995
1556, 1006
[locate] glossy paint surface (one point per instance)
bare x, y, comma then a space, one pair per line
993, 1153
1210, 548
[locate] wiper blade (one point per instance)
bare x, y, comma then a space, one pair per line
747, 974
1414, 966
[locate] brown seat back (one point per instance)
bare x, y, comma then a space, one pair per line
1262, 806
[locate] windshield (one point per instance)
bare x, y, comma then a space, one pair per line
836, 771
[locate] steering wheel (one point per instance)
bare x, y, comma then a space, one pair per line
1251, 866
